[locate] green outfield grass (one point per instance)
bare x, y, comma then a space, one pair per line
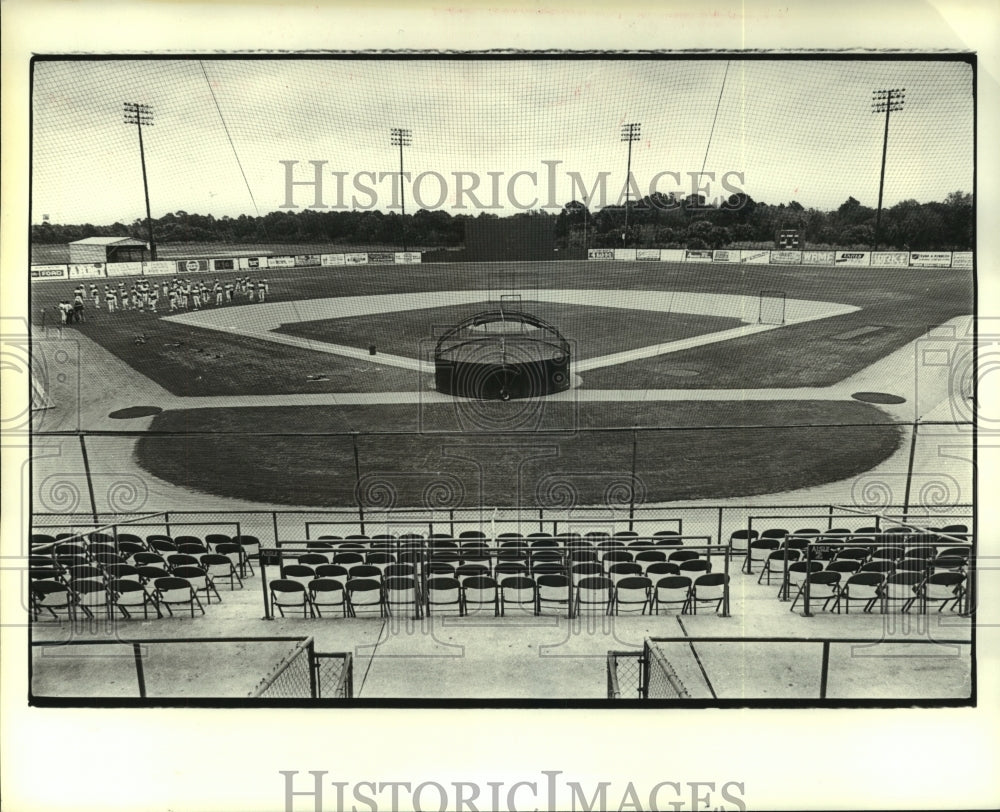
905, 302
445, 457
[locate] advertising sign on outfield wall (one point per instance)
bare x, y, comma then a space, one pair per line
697, 256
95, 270
44, 272
671, 255
408, 257
381, 257
281, 262
626, 254
962, 259
817, 257
647, 254
158, 267
725, 255
755, 257
329, 260
601, 253
125, 268
890, 259
930, 259
356, 259
192, 265
308, 260
786, 257
852, 258
223, 264
252, 263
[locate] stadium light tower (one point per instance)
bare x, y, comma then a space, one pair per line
401, 138
885, 101
142, 116
630, 133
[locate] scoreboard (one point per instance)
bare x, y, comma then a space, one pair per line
788, 238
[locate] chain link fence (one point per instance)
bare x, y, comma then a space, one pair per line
625, 669
291, 677
334, 675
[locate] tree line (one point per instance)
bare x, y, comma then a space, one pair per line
657, 221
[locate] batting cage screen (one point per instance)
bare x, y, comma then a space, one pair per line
772, 307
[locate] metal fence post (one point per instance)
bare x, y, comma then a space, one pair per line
824, 675
805, 590
313, 669
644, 671
261, 562
139, 672
725, 586
90, 481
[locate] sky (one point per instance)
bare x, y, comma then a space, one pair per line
789, 129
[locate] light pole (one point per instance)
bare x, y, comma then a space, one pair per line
630, 133
401, 138
142, 116
885, 101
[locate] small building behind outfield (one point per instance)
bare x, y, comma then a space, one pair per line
107, 249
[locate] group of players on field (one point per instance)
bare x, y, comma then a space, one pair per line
179, 294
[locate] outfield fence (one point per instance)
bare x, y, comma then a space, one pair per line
234, 262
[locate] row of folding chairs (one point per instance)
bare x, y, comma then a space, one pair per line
484, 536
441, 541
691, 567
513, 593
865, 536
833, 589
107, 568
123, 595
955, 530
104, 546
482, 554
91, 587
849, 561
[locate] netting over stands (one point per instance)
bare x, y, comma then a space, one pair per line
212, 148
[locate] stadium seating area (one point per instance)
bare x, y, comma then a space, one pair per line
119, 574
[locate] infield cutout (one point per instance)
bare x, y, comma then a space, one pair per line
261, 321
